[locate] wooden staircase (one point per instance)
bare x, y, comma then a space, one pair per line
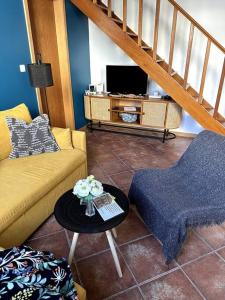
156, 67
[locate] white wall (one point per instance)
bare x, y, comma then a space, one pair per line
104, 52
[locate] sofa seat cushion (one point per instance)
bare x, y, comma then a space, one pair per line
25, 180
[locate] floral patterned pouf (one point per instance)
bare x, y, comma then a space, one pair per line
29, 274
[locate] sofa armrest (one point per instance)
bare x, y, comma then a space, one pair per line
79, 140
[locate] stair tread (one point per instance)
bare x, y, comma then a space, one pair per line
160, 60
146, 47
102, 7
206, 105
116, 20
131, 33
219, 117
173, 73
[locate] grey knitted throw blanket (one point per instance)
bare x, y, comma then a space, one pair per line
189, 194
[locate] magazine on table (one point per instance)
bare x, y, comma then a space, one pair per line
107, 206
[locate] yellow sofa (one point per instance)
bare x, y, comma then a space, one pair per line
30, 187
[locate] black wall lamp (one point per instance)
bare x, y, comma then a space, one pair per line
40, 75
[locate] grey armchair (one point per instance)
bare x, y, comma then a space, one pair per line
189, 194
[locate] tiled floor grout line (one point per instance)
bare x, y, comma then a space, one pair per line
158, 276
130, 270
193, 284
135, 240
127, 165
203, 240
196, 259
215, 251
45, 235
220, 256
207, 243
92, 255
105, 250
105, 173
120, 293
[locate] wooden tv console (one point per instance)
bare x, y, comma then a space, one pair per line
153, 113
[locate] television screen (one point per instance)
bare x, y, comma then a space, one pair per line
126, 80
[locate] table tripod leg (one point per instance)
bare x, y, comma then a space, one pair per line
114, 233
73, 246
114, 254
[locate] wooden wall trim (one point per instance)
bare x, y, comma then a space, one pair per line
31, 48
64, 61
63, 54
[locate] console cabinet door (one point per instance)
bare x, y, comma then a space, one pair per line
154, 114
174, 116
87, 107
100, 109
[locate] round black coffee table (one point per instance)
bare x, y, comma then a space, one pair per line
71, 215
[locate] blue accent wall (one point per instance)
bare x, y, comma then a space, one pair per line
78, 40
14, 50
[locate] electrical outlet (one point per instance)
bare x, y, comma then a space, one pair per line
22, 68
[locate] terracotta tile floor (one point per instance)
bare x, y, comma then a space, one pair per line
199, 271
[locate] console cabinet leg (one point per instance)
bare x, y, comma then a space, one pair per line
91, 128
164, 135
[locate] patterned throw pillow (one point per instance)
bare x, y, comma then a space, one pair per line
31, 139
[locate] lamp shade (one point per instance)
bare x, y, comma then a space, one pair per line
40, 75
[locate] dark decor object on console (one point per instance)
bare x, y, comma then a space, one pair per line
40, 75
189, 194
126, 80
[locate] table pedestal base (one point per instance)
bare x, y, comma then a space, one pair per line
111, 245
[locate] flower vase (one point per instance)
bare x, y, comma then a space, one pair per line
82, 201
90, 209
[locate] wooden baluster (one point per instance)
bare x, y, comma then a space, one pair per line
156, 29
109, 8
188, 58
124, 15
220, 89
172, 39
140, 16
205, 66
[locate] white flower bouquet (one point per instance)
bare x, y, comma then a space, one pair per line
88, 188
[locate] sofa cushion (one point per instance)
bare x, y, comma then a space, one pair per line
25, 180
63, 138
31, 139
20, 112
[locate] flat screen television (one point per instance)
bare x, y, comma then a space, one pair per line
126, 80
